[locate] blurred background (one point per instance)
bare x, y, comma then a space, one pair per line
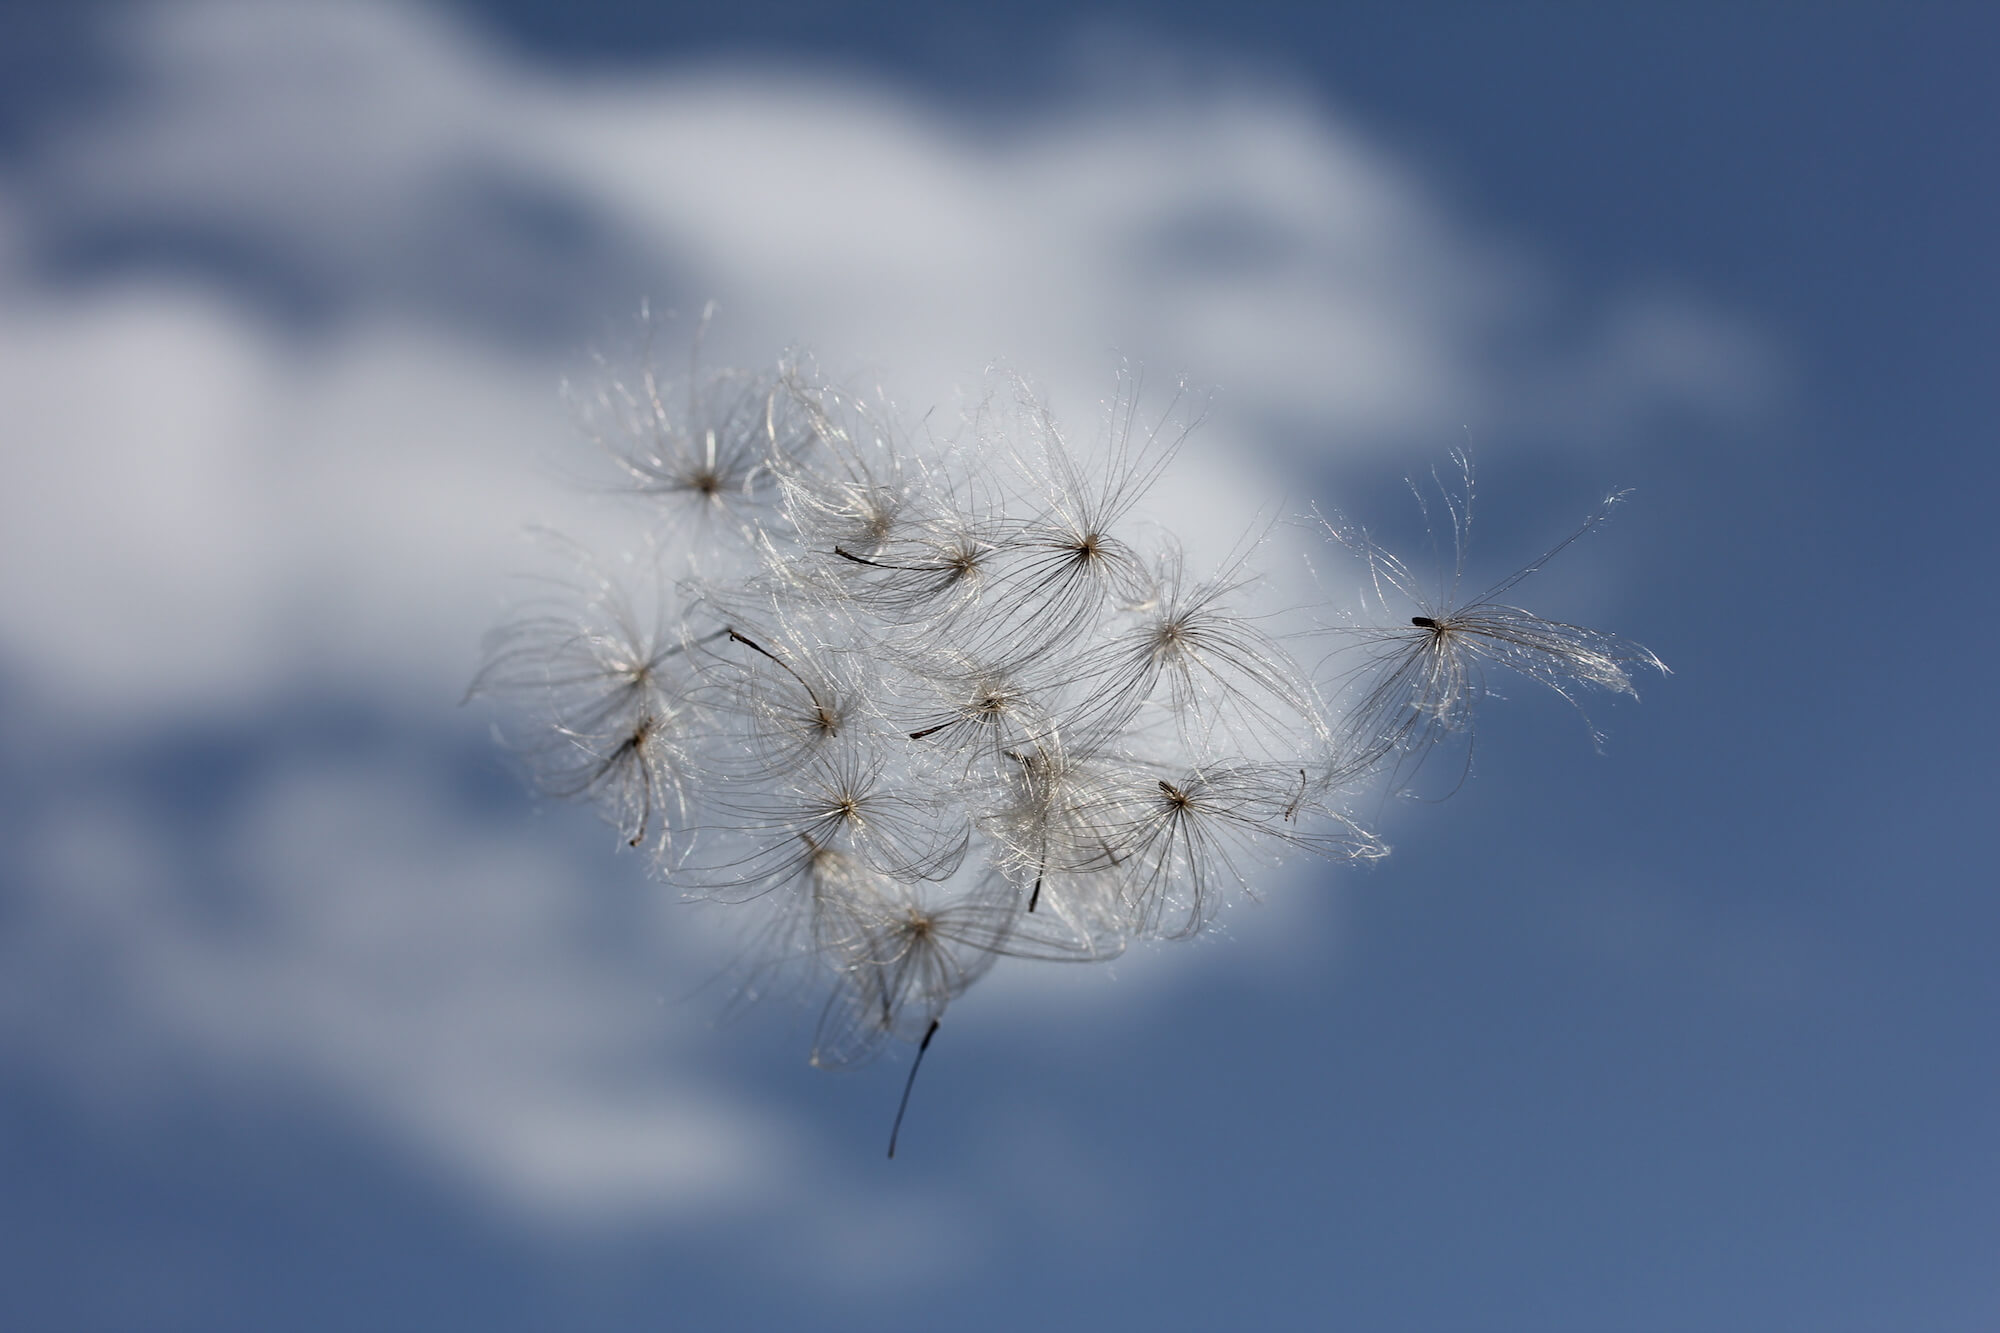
312, 1017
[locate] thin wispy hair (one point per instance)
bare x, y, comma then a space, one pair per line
1210, 667
846, 493
1189, 840
779, 690
851, 798
1419, 682
1055, 820
610, 688
915, 950
976, 709
1061, 563
706, 445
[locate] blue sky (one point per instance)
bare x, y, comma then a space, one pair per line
310, 1017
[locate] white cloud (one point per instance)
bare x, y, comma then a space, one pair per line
188, 479
356, 932
198, 507
190, 511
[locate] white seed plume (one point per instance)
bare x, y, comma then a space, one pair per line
929, 705
1419, 681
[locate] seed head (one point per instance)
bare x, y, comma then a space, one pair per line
914, 706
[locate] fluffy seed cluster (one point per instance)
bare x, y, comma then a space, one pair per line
928, 704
